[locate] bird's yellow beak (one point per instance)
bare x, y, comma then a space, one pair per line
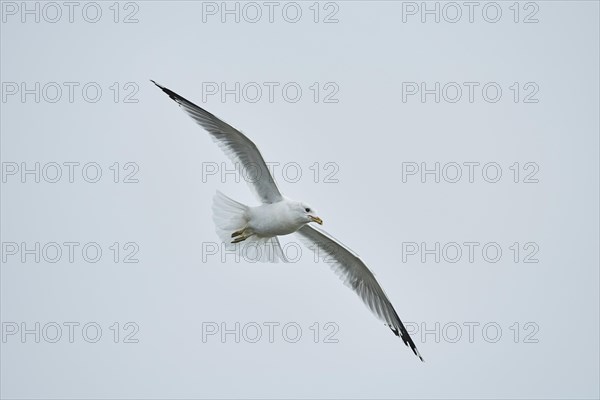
317, 220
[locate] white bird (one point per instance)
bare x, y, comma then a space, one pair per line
278, 215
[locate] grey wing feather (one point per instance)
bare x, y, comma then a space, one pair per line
241, 150
356, 275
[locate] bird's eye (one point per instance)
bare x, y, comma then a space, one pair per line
307, 209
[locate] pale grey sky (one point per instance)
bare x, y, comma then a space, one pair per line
345, 108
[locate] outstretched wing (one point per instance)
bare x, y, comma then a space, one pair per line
241, 150
355, 274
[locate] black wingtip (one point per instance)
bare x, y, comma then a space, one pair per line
414, 349
174, 96
409, 342
420, 358
159, 85
403, 334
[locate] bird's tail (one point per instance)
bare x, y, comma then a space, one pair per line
229, 216
231, 222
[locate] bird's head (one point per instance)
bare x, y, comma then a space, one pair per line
306, 213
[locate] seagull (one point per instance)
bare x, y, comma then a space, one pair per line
278, 215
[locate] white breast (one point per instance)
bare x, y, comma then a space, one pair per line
274, 219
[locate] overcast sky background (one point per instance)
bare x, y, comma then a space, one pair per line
362, 130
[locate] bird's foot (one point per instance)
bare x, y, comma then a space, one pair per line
239, 239
238, 233
241, 235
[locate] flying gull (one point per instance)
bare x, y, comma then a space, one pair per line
278, 215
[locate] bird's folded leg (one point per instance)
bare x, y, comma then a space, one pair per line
241, 235
238, 233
